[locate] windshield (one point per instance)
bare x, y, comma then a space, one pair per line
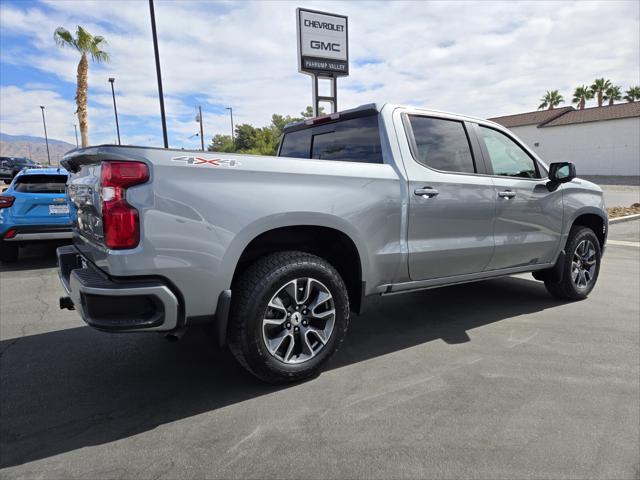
41, 184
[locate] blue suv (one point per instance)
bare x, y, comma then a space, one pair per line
33, 208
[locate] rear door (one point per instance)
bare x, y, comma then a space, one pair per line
528, 223
40, 199
451, 204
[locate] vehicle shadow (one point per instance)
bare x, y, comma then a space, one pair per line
34, 257
73, 388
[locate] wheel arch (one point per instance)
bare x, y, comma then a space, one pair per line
593, 219
329, 237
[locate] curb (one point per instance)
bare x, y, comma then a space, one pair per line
626, 218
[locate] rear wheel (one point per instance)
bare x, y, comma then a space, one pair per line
581, 266
8, 252
289, 314
7, 182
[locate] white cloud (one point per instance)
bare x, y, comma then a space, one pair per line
483, 59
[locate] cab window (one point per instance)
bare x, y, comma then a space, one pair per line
441, 144
506, 157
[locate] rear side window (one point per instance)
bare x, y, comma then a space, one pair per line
441, 144
352, 140
41, 183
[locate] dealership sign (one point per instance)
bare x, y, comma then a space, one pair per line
323, 43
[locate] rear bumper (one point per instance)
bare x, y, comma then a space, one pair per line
29, 233
116, 306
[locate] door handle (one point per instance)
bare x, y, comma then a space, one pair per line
508, 194
426, 192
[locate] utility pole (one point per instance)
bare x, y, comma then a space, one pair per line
76, 129
46, 139
160, 93
233, 135
201, 129
115, 110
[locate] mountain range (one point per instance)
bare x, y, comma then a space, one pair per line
33, 147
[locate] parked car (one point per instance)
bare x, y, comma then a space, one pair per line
274, 253
10, 166
33, 209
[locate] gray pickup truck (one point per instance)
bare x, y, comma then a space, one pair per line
275, 252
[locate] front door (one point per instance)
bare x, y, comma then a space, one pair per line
451, 208
528, 223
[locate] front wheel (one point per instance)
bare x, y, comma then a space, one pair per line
580, 268
289, 314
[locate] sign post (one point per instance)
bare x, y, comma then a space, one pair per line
323, 52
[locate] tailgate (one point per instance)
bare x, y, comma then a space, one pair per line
100, 180
84, 193
40, 199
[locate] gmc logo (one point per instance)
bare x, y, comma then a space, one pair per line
328, 46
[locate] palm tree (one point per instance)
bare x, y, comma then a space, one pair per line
600, 85
85, 43
632, 94
612, 94
550, 100
581, 95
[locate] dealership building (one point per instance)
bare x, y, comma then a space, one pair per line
599, 140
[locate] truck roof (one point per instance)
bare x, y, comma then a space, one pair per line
375, 107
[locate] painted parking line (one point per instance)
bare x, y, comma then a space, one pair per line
623, 243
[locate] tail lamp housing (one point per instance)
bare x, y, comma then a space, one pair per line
120, 221
6, 201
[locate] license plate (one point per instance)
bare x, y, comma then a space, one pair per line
58, 209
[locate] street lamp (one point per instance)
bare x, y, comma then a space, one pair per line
233, 135
115, 110
154, 35
46, 139
199, 119
76, 129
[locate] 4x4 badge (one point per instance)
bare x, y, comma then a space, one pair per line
216, 162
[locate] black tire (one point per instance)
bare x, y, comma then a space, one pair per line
6, 182
8, 253
567, 289
251, 294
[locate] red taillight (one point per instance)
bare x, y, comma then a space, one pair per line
10, 234
6, 201
120, 221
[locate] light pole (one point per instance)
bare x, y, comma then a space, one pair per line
46, 139
115, 110
199, 119
76, 129
233, 135
157, 54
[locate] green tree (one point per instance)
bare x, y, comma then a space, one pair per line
551, 100
581, 95
612, 94
85, 43
222, 143
308, 113
599, 87
633, 94
255, 140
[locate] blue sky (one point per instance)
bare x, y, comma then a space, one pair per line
482, 59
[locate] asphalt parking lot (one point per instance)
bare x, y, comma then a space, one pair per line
487, 380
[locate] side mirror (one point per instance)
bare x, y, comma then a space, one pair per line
561, 172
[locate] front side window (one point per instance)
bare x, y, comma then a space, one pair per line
507, 158
352, 140
441, 144
41, 183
